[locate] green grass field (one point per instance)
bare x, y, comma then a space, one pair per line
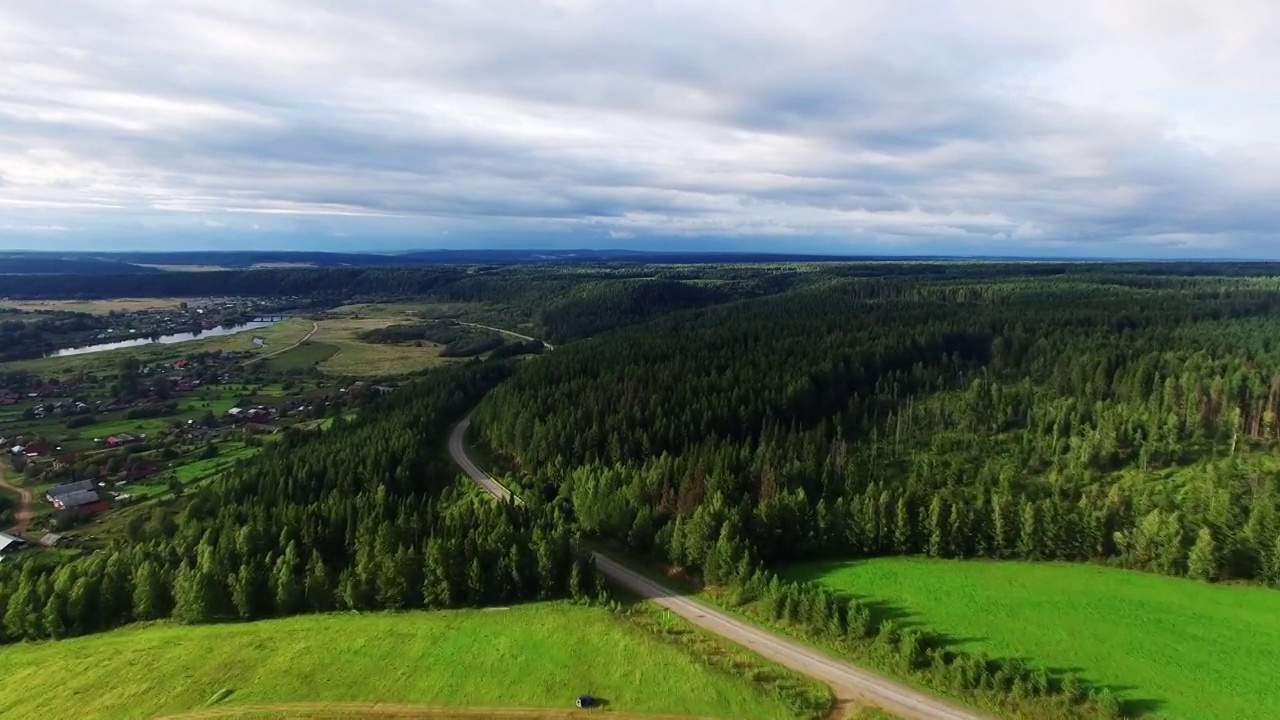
303, 357
228, 454
102, 307
357, 358
533, 656
1175, 648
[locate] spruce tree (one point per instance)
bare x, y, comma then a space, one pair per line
318, 591
195, 596
1273, 562
287, 593
1029, 533
248, 587
150, 598
1202, 562
935, 528
902, 527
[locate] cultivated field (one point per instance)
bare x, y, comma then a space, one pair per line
1172, 647
102, 307
305, 356
343, 328
533, 656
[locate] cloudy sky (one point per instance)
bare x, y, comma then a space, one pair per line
1090, 127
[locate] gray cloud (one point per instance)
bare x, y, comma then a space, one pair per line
866, 127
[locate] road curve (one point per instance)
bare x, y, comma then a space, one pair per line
849, 683
459, 452
23, 513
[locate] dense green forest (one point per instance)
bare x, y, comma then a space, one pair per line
1125, 418
366, 515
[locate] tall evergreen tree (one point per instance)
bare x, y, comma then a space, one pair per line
1202, 563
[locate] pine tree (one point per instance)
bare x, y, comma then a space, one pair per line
115, 593
54, 617
195, 594
57, 608
581, 585
902, 527
248, 588
1029, 533
477, 590
935, 527
318, 592
150, 597
1271, 563
286, 592
1202, 563
83, 604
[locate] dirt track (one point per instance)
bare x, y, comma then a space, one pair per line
315, 327
21, 516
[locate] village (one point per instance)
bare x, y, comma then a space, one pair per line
86, 445
34, 329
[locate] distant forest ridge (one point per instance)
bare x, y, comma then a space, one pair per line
136, 263
463, 276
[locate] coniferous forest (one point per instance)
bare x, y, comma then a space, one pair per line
365, 516
1115, 418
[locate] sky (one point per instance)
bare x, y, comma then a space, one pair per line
1091, 128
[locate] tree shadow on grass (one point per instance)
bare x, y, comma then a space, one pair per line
1130, 707
883, 611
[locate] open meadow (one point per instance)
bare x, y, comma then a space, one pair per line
532, 656
301, 358
1172, 647
356, 357
102, 307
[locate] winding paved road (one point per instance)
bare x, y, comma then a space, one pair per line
459, 452
849, 683
23, 513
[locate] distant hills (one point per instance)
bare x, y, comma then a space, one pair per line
84, 263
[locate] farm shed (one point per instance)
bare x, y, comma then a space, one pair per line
63, 490
9, 543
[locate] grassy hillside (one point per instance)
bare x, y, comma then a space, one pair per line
1176, 648
530, 656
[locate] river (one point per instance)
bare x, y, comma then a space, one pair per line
163, 339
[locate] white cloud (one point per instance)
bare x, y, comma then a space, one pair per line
1152, 123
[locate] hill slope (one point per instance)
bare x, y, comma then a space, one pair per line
1179, 649
533, 656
